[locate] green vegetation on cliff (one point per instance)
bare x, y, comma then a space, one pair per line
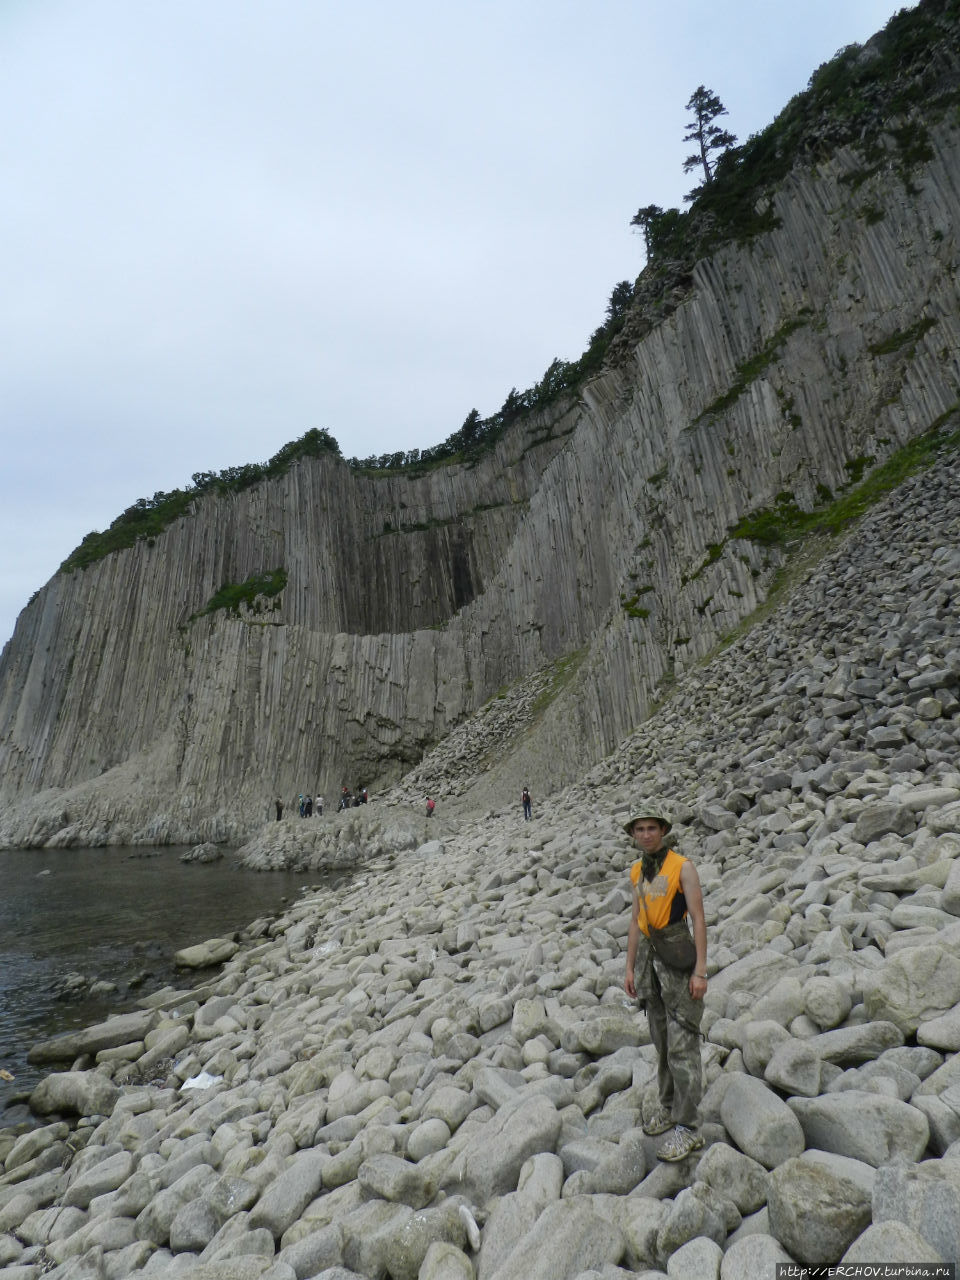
785, 522
150, 516
251, 594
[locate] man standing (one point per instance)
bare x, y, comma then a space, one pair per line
666, 889
527, 804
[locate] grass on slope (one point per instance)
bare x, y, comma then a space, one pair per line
785, 522
811, 535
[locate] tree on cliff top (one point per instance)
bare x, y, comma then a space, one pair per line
709, 137
646, 219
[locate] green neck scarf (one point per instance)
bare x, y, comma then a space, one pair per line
650, 863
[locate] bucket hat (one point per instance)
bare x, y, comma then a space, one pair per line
652, 810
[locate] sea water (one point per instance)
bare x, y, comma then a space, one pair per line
115, 915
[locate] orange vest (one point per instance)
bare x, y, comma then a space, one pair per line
660, 894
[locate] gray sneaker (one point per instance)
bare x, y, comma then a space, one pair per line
658, 1123
681, 1143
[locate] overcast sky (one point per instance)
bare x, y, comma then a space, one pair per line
223, 222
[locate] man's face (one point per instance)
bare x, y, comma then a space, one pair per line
648, 834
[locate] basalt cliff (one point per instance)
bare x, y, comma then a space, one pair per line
604, 546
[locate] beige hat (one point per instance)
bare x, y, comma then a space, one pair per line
655, 811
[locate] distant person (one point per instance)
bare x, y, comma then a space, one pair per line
363, 795
319, 806
308, 807
430, 807
527, 805
300, 803
279, 803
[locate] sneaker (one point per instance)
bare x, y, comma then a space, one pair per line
658, 1123
680, 1144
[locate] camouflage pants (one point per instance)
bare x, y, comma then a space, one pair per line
674, 1021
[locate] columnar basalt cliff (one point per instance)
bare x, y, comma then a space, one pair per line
597, 550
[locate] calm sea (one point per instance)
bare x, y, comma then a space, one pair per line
112, 914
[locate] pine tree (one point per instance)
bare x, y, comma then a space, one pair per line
709, 137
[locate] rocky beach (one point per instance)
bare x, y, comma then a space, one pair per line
713, 566
434, 1072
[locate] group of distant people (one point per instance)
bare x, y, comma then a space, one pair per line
307, 806
352, 800
310, 806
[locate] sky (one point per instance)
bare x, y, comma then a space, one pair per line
224, 222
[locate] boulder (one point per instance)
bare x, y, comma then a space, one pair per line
743, 1180
863, 1126
913, 986
314, 1252
848, 1046
753, 1256
125, 1028
924, 1197
688, 1217
568, 1238
81, 1093
796, 1068
759, 1122
490, 1163
641, 1218
879, 818
826, 1001
205, 955
444, 1261
418, 1234
891, 1243
285, 1199
391, 1178
830, 1191
105, 1176
942, 1032
698, 1259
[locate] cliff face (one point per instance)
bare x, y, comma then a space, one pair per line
596, 539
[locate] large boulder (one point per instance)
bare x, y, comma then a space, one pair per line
125, 1028
490, 1163
795, 1068
892, 1243
738, 1177
818, 1205
926, 1198
848, 1046
759, 1122
913, 986
288, 1195
205, 954
863, 1126
753, 1256
689, 1217
567, 1239
879, 818
80, 1093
